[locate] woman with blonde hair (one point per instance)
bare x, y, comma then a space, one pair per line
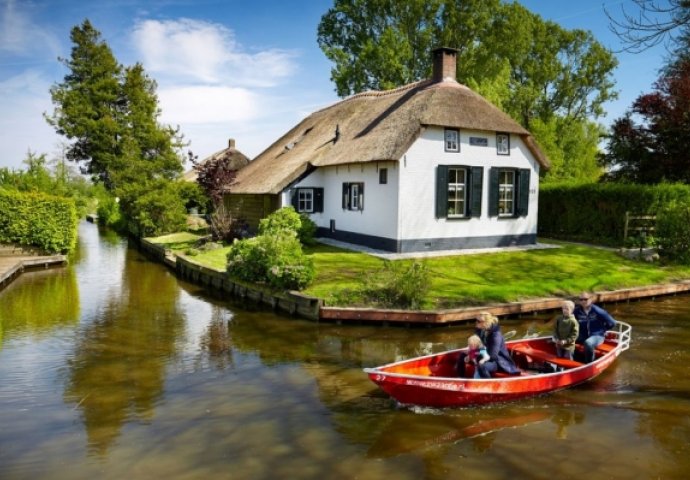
488, 330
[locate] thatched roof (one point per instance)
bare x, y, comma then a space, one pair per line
373, 126
230, 154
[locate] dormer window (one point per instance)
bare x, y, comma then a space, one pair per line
452, 140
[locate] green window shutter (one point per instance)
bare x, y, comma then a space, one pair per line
295, 198
493, 192
476, 179
318, 200
346, 196
523, 192
442, 191
361, 196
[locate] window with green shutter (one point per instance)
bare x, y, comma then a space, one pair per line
508, 192
458, 191
353, 196
307, 200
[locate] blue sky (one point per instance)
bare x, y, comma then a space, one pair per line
225, 68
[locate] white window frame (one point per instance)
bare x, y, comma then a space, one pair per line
305, 200
451, 140
457, 202
503, 144
354, 196
506, 193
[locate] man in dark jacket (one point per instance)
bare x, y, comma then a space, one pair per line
594, 321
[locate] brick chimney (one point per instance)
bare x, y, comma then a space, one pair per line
231, 143
445, 61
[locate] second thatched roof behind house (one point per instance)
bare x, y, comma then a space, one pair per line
230, 154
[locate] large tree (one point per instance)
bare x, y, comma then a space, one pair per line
650, 143
531, 68
110, 116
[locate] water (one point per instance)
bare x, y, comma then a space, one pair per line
113, 368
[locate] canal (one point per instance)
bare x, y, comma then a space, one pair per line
113, 368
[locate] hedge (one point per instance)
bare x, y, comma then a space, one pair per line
596, 212
39, 220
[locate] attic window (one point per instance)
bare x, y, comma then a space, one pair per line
452, 140
503, 144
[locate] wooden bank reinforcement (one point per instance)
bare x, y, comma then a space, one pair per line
314, 308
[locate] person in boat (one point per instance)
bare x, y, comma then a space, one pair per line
489, 332
594, 321
566, 331
476, 353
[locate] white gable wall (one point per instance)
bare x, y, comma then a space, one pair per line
418, 187
379, 218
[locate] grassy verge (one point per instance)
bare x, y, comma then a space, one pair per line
464, 280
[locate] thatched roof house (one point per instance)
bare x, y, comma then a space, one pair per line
237, 160
373, 129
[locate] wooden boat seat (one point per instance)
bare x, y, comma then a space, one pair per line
545, 356
602, 349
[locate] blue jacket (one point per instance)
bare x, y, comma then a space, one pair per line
596, 322
496, 348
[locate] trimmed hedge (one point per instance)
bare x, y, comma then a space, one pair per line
596, 212
38, 219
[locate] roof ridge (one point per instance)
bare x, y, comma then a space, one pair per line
379, 93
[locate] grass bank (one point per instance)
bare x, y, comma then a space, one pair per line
464, 280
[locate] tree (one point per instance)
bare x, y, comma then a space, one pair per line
110, 113
656, 148
655, 22
87, 104
543, 73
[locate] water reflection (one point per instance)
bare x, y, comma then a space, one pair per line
150, 377
117, 371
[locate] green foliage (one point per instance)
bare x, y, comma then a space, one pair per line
193, 196
38, 219
276, 259
155, 211
399, 285
595, 212
307, 230
673, 231
284, 219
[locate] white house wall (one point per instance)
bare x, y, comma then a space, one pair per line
418, 189
378, 220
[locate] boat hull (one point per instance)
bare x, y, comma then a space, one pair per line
431, 381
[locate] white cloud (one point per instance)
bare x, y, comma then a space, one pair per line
206, 104
197, 51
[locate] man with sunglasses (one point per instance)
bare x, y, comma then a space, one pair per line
594, 321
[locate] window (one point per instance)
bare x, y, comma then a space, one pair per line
503, 144
509, 192
458, 191
383, 176
353, 196
307, 200
506, 193
452, 140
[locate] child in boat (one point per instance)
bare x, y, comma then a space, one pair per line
476, 353
565, 331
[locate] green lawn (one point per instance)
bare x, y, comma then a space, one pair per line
463, 280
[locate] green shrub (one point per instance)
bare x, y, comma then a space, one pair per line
307, 230
275, 259
108, 212
38, 219
673, 232
399, 284
156, 211
284, 219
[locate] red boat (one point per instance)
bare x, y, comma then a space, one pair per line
432, 380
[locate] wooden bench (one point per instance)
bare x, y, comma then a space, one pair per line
602, 349
545, 356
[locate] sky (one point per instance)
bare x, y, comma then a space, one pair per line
224, 68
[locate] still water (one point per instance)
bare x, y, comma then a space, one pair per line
113, 368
